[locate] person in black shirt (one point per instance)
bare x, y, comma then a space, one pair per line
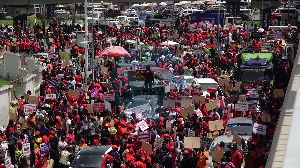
149, 79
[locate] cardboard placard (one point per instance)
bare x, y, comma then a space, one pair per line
176, 35
187, 111
26, 149
192, 142
90, 108
198, 99
50, 40
224, 82
73, 93
167, 89
265, 117
106, 85
168, 125
278, 93
215, 125
34, 100
169, 103
186, 102
103, 69
242, 99
230, 99
237, 86
147, 147
211, 105
237, 139
26, 96
66, 63
217, 156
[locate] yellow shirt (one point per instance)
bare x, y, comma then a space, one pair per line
35, 145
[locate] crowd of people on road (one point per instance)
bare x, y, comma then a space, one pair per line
67, 124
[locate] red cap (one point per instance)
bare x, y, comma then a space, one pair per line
37, 133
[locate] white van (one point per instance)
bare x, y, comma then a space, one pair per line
285, 12
205, 83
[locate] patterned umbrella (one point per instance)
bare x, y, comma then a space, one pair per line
114, 51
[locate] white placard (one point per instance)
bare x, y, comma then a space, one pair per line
107, 106
26, 149
29, 108
143, 125
241, 107
108, 97
48, 96
159, 142
259, 129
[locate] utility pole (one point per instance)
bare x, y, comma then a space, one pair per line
218, 61
86, 44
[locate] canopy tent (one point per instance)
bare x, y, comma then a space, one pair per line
169, 43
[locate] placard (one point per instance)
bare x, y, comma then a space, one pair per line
192, 142
265, 117
34, 100
26, 96
90, 108
187, 111
224, 83
168, 125
147, 147
167, 88
186, 102
108, 96
230, 99
29, 108
217, 156
98, 107
198, 99
237, 139
104, 69
278, 93
106, 85
236, 86
144, 136
176, 35
8, 162
242, 99
169, 103
48, 96
26, 149
219, 124
121, 71
215, 125
143, 125
66, 63
158, 143
252, 107
107, 106
211, 105
241, 107
94, 92
44, 148
191, 133
73, 93
205, 141
259, 129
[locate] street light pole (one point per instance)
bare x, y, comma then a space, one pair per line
218, 71
86, 44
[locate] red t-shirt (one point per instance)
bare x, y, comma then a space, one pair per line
236, 156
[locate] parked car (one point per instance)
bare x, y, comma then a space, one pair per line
90, 157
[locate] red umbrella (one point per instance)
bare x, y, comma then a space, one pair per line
114, 51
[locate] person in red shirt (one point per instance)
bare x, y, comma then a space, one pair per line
70, 137
253, 156
221, 146
138, 163
236, 156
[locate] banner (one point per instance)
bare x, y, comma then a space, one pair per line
259, 129
98, 107
26, 149
48, 96
44, 148
241, 107
94, 92
144, 136
29, 108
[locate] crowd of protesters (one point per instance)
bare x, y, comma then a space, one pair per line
67, 125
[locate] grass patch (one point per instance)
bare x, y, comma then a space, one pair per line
7, 22
67, 55
3, 82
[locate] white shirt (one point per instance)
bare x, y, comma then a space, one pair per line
68, 123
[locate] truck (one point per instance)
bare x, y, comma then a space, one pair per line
215, 18
256, 67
